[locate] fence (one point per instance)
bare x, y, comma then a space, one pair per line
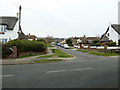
102, 48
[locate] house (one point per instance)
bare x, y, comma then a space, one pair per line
31, 37
84, 39
8, 28
112, 33
76, 40
92, 39
59, 40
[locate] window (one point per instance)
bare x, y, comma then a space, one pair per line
2, 28
3, 40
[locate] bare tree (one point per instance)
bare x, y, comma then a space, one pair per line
49, 39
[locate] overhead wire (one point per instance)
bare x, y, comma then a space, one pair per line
12, 3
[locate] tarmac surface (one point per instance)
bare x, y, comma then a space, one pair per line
83, 71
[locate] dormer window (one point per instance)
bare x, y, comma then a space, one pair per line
2, 28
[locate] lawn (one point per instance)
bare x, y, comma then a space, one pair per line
58, 53
48, 60
99, 53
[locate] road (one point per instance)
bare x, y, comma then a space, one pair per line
84, 71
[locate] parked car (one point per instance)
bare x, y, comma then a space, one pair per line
62, 46
58, 44
76, 46
66, 46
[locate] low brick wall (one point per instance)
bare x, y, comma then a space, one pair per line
28, 53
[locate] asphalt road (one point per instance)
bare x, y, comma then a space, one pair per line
84, 71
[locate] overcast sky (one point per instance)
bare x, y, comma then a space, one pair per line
63, 18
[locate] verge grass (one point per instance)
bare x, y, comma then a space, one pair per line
58, 53
99, 53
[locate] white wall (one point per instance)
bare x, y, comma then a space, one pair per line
113, 35
11, 34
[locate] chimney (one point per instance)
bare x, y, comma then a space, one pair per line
17, 15
109, 25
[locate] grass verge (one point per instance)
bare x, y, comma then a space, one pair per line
99, 53
48, 60
58, 53
50, 46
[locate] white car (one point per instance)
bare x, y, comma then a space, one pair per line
66, 46
76, 46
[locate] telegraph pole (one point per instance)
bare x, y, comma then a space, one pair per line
20, 18
21, 35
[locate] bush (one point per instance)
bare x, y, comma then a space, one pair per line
26, 45
96, 41
95, 44
42, 40
112, 44
69, 42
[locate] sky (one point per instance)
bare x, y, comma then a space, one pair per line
63, 18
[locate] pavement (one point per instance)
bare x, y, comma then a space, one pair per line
27, 60
84, 71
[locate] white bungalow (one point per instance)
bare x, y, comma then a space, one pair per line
8, 28
113, 33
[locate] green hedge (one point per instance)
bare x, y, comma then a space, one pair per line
95, 44
26, 45
23, 46
112, 44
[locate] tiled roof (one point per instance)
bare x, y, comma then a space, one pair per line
31, 36
104, 38
92, 38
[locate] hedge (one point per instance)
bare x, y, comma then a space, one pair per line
95, 44
26, 45
23, 46
112, 44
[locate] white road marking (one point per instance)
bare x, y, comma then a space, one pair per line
69, 70
6, 76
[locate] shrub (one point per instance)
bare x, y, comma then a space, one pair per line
112, 44
26, 45
69, 42
96, 41
42, 40
95, 44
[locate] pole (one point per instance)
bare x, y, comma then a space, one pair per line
20, 17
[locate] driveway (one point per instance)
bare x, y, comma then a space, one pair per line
84, 71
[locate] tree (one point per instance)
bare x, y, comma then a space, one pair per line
69, 42
42, 40
49, 39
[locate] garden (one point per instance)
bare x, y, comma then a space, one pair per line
24, 47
